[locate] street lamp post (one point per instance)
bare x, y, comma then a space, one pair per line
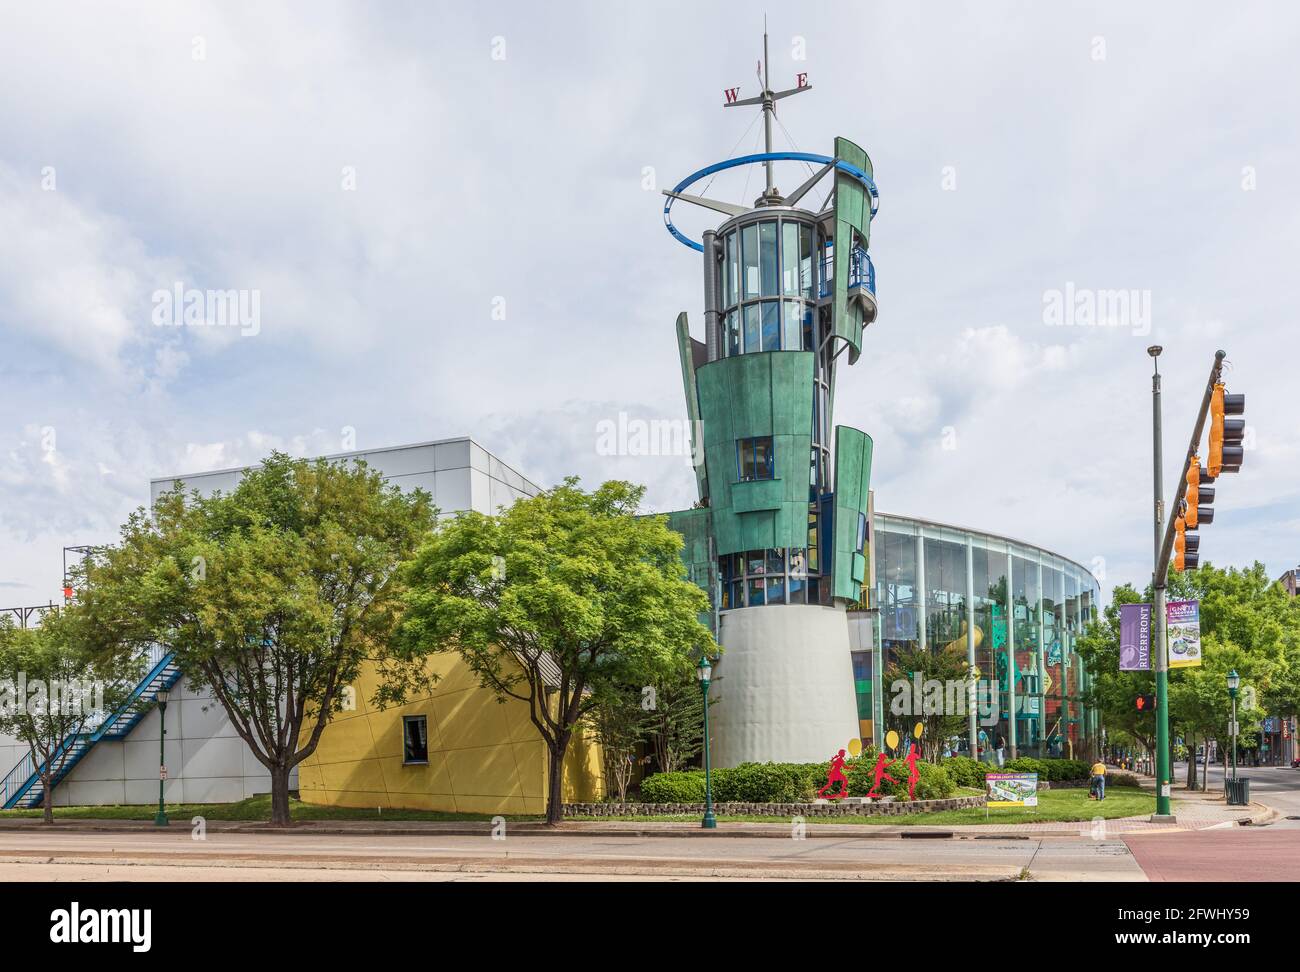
160, 818
1234, 680
702, 672
1158, 609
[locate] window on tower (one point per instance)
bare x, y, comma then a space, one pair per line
755, 459
749, 260
768, 258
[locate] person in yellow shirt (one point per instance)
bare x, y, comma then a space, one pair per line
1098, 783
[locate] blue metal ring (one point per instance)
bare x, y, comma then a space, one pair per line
695, 177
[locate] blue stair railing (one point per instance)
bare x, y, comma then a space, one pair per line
23, 786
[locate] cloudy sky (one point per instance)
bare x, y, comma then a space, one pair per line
449, 215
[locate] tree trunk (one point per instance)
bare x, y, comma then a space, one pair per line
1191, 762
555, 783
280, 796
47, 800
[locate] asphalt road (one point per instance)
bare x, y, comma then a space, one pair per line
73, 855
1269, 852
1273, 786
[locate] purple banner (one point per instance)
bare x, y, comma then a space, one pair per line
1135, 637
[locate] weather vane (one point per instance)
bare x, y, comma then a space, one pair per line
768, 99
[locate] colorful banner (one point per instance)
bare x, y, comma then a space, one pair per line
1183, 619
1011, 789
1135, 637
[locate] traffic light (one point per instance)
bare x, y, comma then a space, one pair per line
1186, 547
1145, 703
1226, 451
1197, 499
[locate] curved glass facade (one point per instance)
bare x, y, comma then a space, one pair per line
1015, 609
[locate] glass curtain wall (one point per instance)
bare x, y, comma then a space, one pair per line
1075, 742
897, 591
1026, 610
1053, 619
989, 581
1038, 612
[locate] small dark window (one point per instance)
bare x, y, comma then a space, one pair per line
755, 458
415, 739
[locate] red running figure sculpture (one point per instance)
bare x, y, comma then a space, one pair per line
833, 775
883, 763
913, 774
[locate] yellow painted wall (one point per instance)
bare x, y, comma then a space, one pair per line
484, 756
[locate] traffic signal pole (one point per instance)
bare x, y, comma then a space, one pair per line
1164, 541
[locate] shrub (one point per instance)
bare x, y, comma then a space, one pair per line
746, 783
792, 782
1121, 779
763, 783
683, 787
965, 771
934, 782
1052, 770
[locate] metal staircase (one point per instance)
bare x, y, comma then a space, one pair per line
23, 787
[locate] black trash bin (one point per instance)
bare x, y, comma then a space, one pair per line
1238, 791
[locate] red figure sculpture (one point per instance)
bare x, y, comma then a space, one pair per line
833, 775
883, 763
913, 774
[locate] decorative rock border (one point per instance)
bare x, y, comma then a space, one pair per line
836, 808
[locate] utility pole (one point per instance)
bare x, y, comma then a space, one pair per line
1164, 544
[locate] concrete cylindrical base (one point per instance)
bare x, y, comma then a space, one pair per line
784, 686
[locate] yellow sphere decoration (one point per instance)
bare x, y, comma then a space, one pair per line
918, 730
891, 739
855, 746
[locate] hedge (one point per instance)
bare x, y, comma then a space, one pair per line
966, 771
792, 782
1052, 770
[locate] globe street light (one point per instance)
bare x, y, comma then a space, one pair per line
702, 672
160, 818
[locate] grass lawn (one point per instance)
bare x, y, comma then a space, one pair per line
1054, 806
253, 809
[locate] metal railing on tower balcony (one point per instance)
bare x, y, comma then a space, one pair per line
23, 786
862, 272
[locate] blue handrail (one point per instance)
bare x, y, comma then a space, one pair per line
862, 272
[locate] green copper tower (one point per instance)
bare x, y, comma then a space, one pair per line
780, 535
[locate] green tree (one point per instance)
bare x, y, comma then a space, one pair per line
558, 601
1112, 691
272, 596
1248, 623
939, 722
617, 722
55, 690
675, 726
